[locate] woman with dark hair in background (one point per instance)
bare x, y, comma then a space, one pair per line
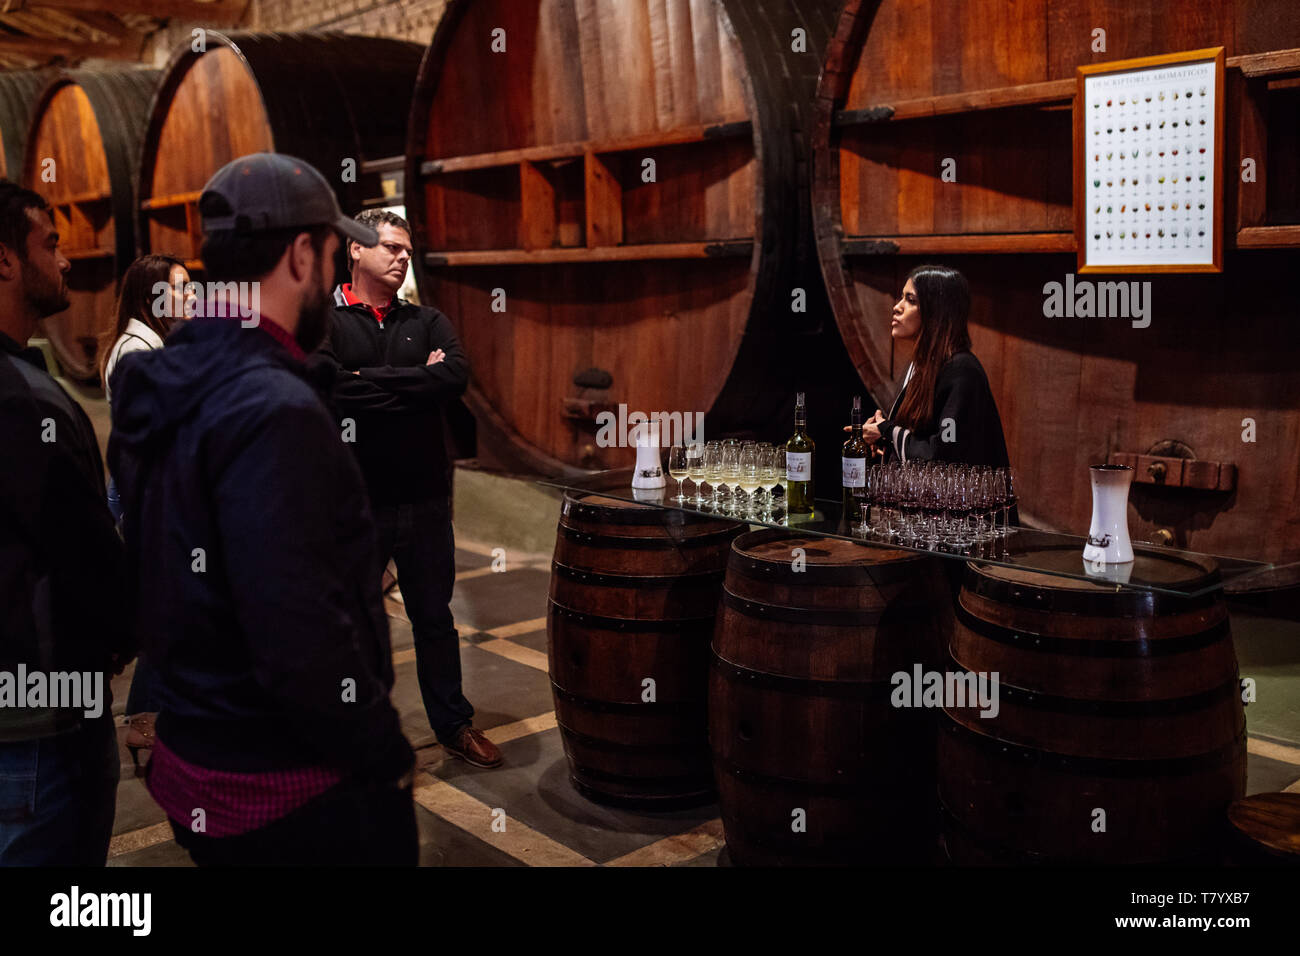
945, 411
144, 317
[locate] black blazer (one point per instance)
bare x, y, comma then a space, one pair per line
965, 425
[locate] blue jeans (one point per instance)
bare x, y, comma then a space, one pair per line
140, 699
58, 795
419, 539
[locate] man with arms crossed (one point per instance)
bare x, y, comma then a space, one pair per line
397, 366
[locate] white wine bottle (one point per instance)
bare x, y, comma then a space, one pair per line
799, 464
853, 468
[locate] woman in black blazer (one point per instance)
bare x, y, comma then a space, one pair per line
946, 410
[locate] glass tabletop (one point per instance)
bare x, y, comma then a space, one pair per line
1154, 568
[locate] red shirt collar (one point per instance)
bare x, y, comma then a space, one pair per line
283, 336
350, 298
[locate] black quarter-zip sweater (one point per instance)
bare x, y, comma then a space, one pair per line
397, 404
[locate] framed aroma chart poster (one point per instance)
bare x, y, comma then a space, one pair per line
1148, 162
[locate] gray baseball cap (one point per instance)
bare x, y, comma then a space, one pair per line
266, 191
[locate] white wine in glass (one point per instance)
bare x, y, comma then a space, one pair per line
695, 469
678, 470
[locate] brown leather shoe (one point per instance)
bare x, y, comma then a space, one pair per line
472, 747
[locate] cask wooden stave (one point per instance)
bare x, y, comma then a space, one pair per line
90, 124
634, 591
1122, 701
800, 710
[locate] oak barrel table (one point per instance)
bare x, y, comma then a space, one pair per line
1119, 735
634, 591
814, 764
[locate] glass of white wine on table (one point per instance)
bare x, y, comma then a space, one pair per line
695, 470
678, 470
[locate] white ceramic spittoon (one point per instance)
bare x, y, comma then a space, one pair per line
649, 471
1108, 539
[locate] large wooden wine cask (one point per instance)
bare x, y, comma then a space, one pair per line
1119, 735
810, 634
634, 592
989, 85
19, 90
548, 235
81, 155
336, 101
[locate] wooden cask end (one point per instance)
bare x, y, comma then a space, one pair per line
800, 715
634, 592
89, 124
629, 201
334, 100
1119, 735
19, 90
910, 85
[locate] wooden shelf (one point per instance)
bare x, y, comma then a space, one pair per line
1267, 64
80, 198
575, 150
176, 199
661, 250
75, 254
1030, 94
1009, 242
1035, 94
1269, 237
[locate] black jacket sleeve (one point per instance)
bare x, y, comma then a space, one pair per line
52, 500
961, 427
425, 385
291, 597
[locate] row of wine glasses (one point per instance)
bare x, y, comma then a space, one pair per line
743, 477
937, 504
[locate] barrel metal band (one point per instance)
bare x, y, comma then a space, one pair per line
860, 690
659, 708
713, 539
643, 516
1091, 647
688, 625
1126, 603
1169, 707
798, 615
1112, 767
820, 575
674, 581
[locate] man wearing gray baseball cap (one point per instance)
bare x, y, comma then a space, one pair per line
251, 538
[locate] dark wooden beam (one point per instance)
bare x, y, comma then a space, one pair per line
43, 48
216, 13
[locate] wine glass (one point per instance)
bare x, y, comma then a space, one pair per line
713, 471
678, 470
748, 475
695, 469
731, 472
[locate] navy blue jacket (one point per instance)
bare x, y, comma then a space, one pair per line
221, 443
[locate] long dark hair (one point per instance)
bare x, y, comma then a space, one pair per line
136, 300
943, 297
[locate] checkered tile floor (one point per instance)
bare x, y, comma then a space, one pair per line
501, 617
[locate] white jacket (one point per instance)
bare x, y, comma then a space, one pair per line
137, 337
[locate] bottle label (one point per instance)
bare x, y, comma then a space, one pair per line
798, 466
854, 472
